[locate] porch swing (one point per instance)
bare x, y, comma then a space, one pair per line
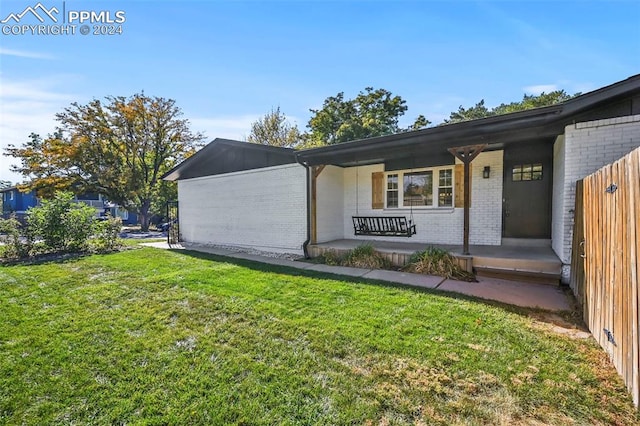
383, 226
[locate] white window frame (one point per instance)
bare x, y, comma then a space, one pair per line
435, 190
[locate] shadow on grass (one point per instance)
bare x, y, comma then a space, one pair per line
570, 316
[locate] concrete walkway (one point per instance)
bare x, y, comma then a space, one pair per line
527, 295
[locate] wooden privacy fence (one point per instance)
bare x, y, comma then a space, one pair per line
605, 267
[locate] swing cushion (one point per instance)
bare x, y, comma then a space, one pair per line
387, 226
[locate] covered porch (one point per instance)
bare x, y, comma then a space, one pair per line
466, 188
530, 261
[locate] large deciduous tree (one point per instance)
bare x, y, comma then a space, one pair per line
371, 113
119, 148
274, 129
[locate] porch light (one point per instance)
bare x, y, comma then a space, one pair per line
486, 172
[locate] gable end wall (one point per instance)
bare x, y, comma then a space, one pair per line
262, 209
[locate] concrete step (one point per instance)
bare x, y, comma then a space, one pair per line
548, 271
526, 242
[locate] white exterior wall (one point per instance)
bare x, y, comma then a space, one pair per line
263, 209
585, 148
439, 225
486, 200
330, 204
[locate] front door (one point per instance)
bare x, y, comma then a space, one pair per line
526, 199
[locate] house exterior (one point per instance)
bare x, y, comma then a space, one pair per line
104, 206
519, 180
16, 202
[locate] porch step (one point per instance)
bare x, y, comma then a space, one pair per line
526, 242
547, 271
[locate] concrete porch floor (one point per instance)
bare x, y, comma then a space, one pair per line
535, 262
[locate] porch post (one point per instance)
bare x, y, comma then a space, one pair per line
315, 172
466, 154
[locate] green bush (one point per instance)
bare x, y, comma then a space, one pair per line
435, 261
14, 246
59, 225
63, 225
107, 235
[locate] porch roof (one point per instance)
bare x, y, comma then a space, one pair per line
538, 124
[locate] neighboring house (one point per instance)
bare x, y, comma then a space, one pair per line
17, 203
104, 206
521, 183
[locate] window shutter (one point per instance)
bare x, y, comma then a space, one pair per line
377, 190
458, 176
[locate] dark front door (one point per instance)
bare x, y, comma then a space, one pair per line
526, 199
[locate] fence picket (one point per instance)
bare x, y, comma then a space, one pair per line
607, 283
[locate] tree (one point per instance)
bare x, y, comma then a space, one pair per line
421, 122
120, 149
479, 110
371, 113
533, 101
274, 129
465, 114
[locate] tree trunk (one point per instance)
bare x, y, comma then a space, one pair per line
144, 215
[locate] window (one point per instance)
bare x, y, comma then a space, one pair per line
423, 188
445, 188
525, 172
392, 190
418, 189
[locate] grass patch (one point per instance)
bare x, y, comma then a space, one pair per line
150, 336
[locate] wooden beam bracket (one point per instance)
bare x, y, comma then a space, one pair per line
467, 154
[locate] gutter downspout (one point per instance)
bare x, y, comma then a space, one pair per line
305, 245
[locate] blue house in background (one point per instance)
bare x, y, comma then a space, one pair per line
17, 203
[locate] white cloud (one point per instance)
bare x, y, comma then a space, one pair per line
24, 54
539, 88
28, 106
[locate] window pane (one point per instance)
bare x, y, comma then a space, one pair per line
526, 168
445, 177
526, 175
517, 169
445, 197
418, 189
392, 198
517, 177
392, 182
537, 176
537, 167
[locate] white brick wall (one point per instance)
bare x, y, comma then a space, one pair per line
585, 148
437, 226
264, 209
330, 204
486, 200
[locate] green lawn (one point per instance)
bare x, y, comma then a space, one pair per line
149, 336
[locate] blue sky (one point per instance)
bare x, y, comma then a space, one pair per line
228, 63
